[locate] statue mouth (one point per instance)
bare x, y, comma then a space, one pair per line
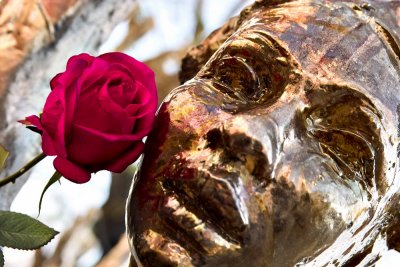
212, 188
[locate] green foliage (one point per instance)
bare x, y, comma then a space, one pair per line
56, 176
23, 232
1, 258
3, 157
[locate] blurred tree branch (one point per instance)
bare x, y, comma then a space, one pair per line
31, 53
118, 256
73, 243
137, 28
25, 27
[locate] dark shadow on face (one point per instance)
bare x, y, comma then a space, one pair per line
256, 163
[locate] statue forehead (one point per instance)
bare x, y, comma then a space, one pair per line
335, 43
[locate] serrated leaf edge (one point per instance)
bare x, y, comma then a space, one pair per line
41, 245
52, 235
1, 258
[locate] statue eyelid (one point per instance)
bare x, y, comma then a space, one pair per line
347, 126
252, 70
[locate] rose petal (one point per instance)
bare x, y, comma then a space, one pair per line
143, 96
87, 105
112, 108
71, 171
117, 70
35, 121
107, 120
97, 113
93, 75
52, 120
54, 82
89, 149
79, 59
59, 109
76, 90
69, 102
88, 75
120, 94
121, 90
123, 161
147, 104
48, 145
47, 142
140, 71
144, 125
104, 122
119, 75
75, 66
132, 109
123, 74
116, 137
52, 111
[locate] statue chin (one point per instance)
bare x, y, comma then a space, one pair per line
282, 150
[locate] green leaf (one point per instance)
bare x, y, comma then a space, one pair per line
23, 232
56, 176
1, 258
3, 157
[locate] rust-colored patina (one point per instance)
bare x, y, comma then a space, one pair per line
283, 149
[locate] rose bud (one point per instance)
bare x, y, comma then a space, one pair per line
97, 114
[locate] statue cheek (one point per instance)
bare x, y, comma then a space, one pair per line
294, 222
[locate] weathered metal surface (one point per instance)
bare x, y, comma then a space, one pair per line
282, 150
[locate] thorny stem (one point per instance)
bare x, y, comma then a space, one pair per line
24, 169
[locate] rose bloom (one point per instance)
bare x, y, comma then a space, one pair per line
97, 114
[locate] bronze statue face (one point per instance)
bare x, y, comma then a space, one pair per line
281, 151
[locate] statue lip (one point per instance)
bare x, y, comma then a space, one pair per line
216, 187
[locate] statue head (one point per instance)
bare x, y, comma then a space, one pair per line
282, 150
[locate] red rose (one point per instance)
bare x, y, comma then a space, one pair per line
97, 114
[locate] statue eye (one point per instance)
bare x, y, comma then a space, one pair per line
345, 123
252, 69
350, 150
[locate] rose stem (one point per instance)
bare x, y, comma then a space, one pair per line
24, 169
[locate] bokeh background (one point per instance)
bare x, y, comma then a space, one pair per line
90, 217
